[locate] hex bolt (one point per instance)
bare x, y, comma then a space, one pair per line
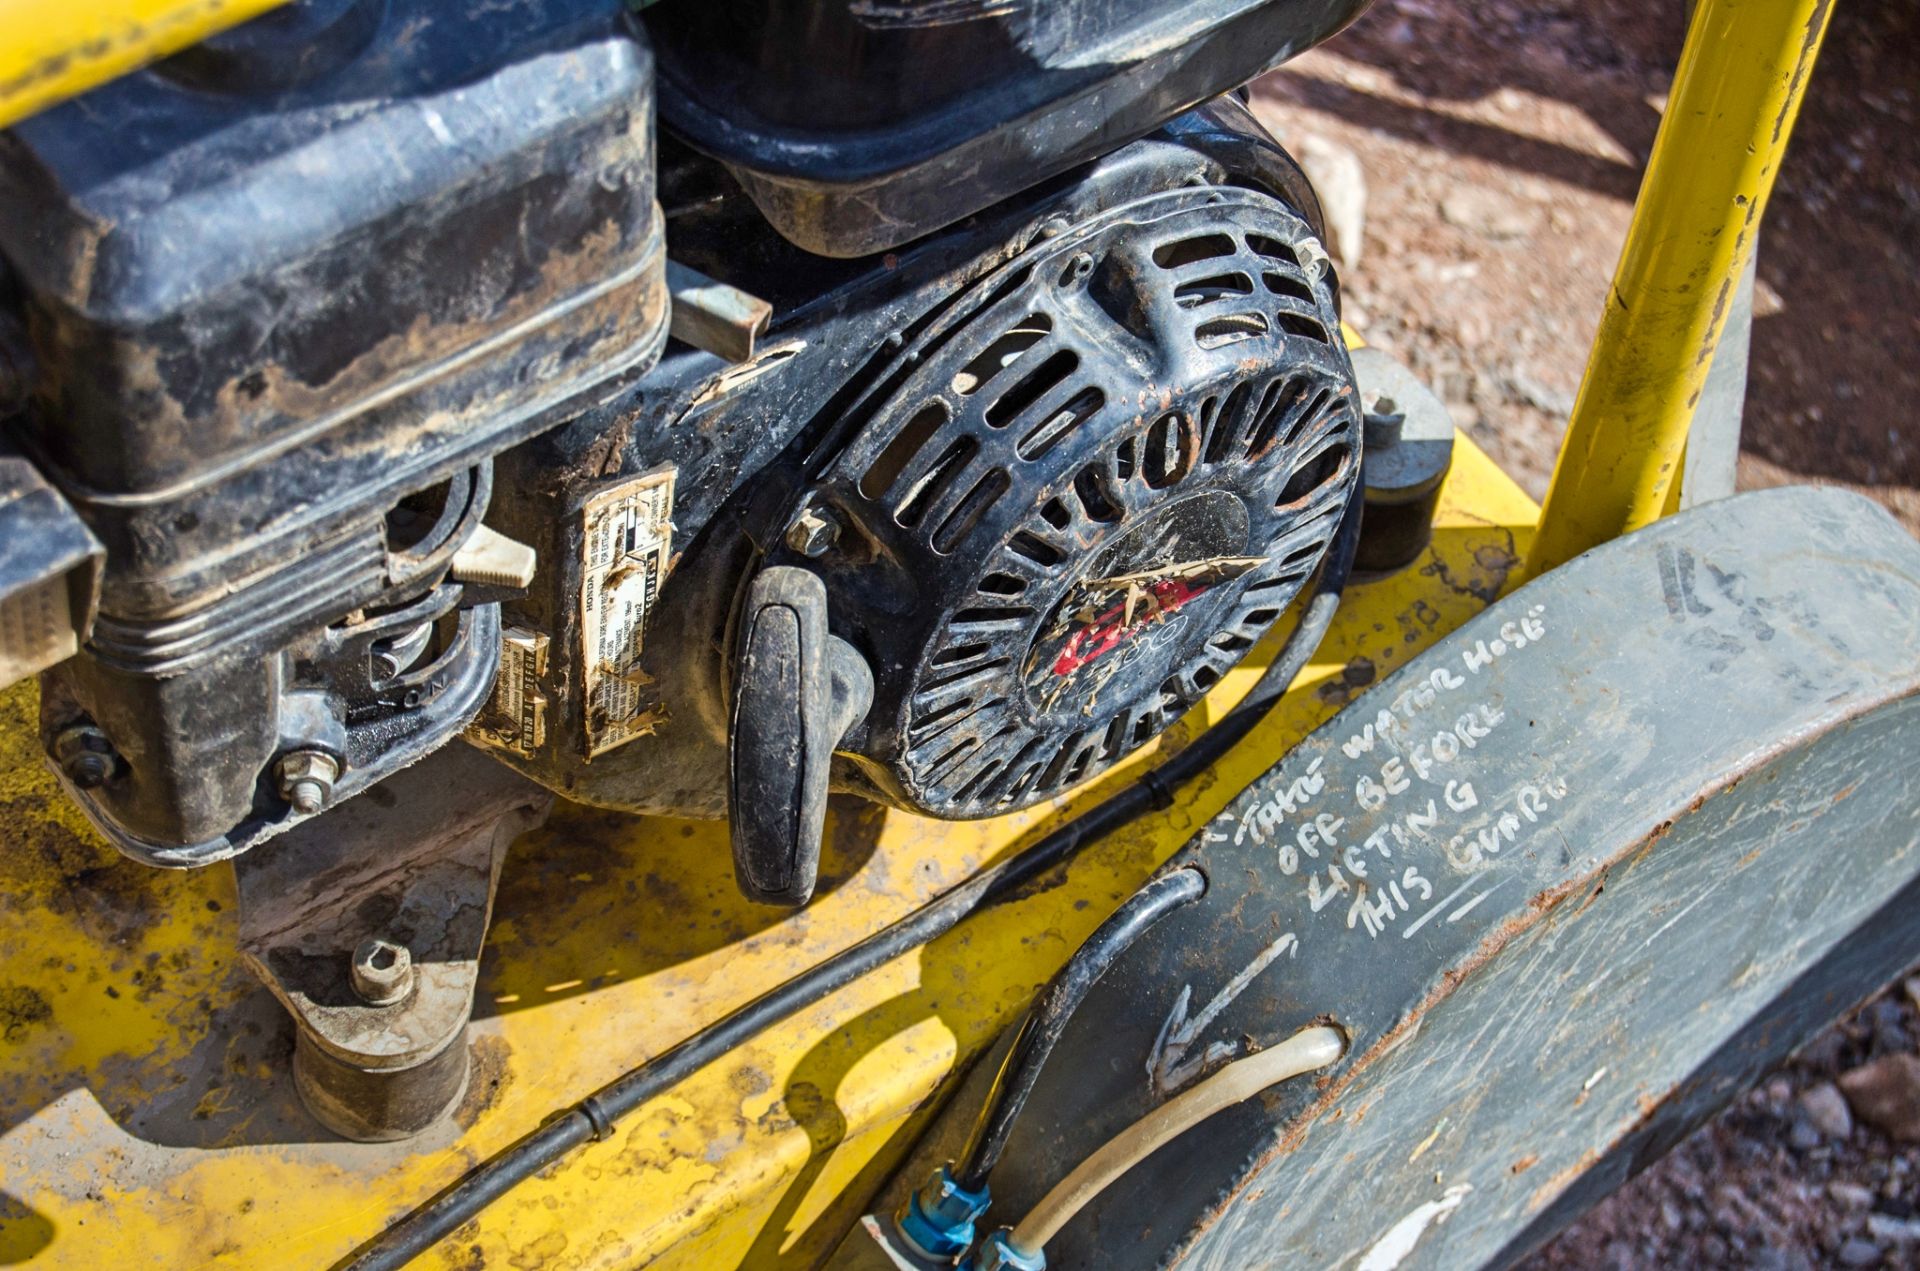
813, 533
306, 779
85, 756
89, 770
1312, 257
382, 972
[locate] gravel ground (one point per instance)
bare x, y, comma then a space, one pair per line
1500, 145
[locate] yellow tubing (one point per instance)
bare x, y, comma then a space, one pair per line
1734, 100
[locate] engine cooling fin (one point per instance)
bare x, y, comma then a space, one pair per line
1084, 492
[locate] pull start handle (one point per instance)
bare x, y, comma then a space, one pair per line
797, 689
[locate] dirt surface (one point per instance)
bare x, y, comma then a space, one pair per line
1501, 145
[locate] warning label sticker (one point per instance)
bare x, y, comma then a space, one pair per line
629, 533
516, 718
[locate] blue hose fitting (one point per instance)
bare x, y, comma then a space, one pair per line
938, 1219
997, 1253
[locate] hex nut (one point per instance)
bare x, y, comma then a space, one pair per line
306, 779
381, 972
86, 756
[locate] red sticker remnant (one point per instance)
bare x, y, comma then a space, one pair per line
1112, 628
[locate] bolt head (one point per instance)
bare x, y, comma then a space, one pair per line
381, 972
813, 533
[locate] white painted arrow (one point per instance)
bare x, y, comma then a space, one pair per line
1164, 1067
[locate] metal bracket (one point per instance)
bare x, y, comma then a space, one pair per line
710, 315
367, 925
1408, 451
49, 571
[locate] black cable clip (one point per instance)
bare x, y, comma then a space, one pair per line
597, 1117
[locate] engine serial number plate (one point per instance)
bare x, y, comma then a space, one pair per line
626, 550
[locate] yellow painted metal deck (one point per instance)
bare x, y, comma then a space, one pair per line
56, 48
147, 1115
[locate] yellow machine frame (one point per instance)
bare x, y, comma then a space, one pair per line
616, 937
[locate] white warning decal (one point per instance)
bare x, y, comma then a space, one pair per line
627, 546
516, 717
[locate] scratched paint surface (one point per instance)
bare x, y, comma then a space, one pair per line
146, 1116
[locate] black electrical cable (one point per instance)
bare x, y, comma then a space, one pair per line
593, 1117
1053, 1010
